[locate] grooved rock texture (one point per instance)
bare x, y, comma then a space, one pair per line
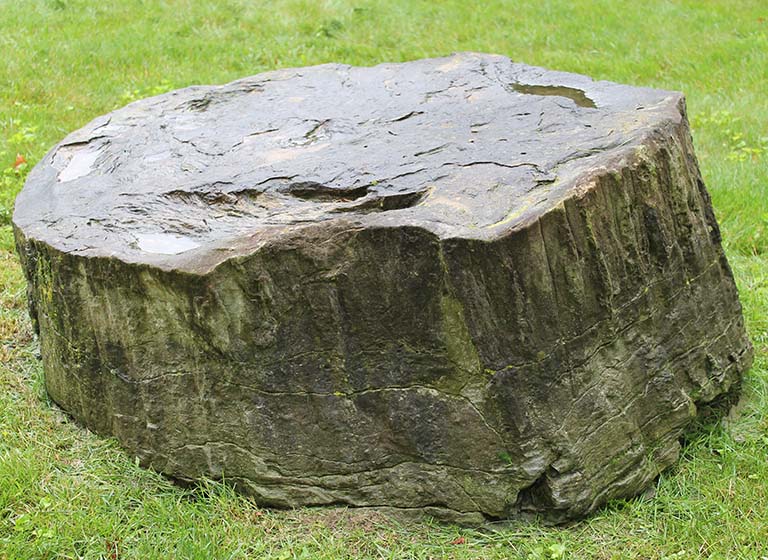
463, 286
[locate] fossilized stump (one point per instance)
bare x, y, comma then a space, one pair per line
462, 285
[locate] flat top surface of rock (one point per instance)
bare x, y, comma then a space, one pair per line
464, 146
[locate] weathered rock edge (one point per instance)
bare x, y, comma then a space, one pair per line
545, 371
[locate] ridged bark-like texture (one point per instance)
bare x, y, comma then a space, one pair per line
473, 337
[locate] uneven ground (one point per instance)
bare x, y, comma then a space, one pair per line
67, 494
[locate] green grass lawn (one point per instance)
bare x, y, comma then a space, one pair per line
65, 493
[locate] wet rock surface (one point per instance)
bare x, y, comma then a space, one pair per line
461, 286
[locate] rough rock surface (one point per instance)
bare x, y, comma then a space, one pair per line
463, 286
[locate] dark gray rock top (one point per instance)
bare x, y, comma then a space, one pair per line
470, 145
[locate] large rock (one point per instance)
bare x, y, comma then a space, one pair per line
460, 285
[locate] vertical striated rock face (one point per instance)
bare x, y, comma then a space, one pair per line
461, 285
